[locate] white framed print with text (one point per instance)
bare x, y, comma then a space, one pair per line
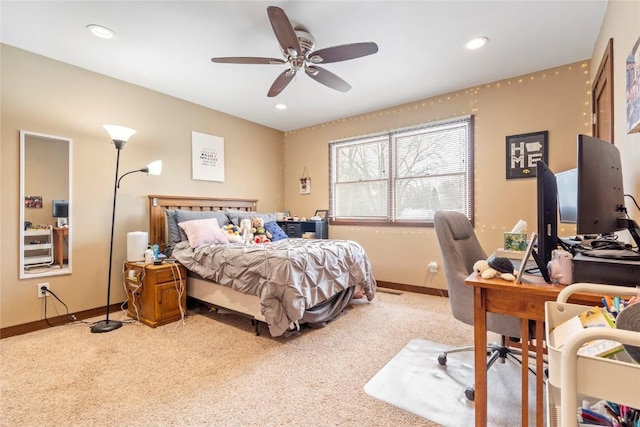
207, 153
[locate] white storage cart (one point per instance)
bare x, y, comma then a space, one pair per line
572, 375
38, 247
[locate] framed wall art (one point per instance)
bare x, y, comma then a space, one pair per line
207, 153
633, 89
523, 152
33, 202
305, 182
323, 214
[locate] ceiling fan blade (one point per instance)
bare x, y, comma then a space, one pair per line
343, 52
247, 60
283, 29
327, 78
281, 82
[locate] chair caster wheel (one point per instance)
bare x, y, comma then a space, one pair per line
442, 359
470, 393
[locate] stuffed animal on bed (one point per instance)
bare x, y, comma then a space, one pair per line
245, 230
260, 234
495, 267
233, 233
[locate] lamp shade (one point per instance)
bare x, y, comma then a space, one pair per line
119, 133
155, 168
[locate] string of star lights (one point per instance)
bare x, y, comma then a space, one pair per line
455, 96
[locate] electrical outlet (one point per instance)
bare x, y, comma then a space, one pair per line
433, 267
42, 294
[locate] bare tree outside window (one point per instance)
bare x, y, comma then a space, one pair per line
403, 176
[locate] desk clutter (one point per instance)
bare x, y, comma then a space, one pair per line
581, 258
605, 413
601, 317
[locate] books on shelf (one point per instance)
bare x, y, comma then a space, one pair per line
593, 317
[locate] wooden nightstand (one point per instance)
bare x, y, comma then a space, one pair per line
156, 291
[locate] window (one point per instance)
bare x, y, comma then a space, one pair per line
403, 176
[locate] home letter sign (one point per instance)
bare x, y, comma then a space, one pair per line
523, 152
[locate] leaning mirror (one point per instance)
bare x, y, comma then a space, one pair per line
45, 205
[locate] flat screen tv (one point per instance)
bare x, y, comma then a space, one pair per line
601, 208
600, 192
60, 208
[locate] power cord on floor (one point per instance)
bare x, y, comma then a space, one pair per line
46, 291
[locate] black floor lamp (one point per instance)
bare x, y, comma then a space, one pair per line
119, 136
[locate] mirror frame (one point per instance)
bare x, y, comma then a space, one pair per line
54, 272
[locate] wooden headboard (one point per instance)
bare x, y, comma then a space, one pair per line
157, 205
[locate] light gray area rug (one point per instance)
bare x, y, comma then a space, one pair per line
414, 381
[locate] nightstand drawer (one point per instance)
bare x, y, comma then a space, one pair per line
168, 274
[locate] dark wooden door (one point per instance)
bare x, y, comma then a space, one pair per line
602, 97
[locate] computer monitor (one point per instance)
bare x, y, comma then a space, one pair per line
567, 183
60, 208
547, 212
600, 193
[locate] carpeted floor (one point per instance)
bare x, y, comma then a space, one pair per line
414, 381
212, 370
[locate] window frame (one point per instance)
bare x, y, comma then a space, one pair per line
392, 178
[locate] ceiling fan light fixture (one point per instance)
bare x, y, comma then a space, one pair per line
311, 71
101, 31
476, 43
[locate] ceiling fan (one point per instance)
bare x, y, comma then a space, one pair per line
297, 47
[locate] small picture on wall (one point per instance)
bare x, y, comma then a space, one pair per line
33, 202
523, 152
305, 185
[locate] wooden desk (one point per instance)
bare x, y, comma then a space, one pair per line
58, 246
525, 301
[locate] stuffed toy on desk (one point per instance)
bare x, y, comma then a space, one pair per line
495, 267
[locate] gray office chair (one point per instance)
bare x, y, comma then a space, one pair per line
460, 250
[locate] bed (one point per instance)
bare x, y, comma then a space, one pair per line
285, 283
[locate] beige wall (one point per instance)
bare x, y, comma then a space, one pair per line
50, 97
555, 100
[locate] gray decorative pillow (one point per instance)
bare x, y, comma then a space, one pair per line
236, 215
172, 226
183, 216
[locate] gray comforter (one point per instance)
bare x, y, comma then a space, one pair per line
290, 276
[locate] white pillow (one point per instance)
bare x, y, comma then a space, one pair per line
202, 232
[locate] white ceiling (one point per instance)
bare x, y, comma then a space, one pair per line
167, 46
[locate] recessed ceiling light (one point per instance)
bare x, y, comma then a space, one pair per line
281, 107
477, 42
100, 31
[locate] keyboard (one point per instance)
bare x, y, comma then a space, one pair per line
621, 254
